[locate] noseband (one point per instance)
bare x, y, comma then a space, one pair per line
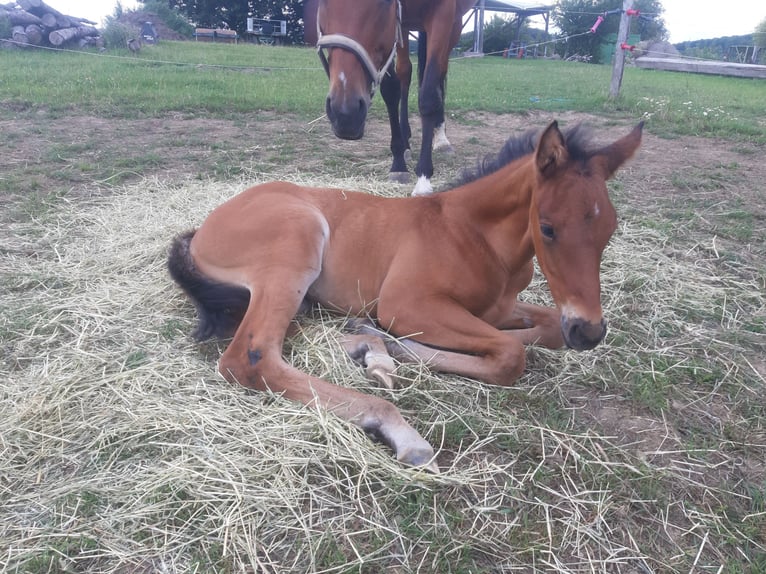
348, 43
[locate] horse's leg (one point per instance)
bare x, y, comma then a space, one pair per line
431, 93
254, 359
441, 143
440, 138
404, 73
391, 91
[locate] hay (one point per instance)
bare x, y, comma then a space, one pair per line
123, 451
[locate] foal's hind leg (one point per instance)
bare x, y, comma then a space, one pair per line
254, 359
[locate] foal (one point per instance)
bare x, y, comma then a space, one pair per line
442, 272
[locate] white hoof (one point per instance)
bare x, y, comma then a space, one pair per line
422, 187
441, 143
380, 367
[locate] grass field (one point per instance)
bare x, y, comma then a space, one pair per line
223, 79
122, 451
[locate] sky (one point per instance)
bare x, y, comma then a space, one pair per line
695, 20
684, 19
95, 10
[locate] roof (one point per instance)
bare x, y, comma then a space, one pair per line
527, 6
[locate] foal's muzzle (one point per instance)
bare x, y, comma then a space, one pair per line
582, 335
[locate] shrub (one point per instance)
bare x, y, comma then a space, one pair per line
116, 35
172, 18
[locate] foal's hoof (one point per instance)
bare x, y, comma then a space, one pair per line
445, 148
399, 176
379, 367
408, 154
370, 351
419, 457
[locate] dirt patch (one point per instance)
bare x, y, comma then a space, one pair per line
720, 181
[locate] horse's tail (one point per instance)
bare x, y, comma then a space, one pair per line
220, 306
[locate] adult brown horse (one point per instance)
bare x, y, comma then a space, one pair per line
361, 38
441, 273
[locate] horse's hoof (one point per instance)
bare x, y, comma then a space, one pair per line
399, 176
445, 148
408, 154
422, 187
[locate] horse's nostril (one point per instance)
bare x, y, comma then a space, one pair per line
347, 114
583, 335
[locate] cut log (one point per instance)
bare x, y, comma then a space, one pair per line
49, 21
34, 34
33, 22
40, 8
27, 4
52, 20
19, 17
90, 42
18, 35
58, 37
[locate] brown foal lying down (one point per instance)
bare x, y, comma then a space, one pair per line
442, 272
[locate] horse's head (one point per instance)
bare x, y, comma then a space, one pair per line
571, 222
360, 37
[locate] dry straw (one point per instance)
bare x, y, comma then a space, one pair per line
122, 451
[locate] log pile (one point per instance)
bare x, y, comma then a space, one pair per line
26, 23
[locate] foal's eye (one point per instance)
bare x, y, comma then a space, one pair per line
547, 231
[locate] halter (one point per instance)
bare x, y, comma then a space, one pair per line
348, 43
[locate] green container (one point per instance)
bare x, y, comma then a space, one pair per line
608, 46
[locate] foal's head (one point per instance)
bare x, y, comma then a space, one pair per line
360, 37
571, 221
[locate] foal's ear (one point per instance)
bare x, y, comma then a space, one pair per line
610, 158
551, 150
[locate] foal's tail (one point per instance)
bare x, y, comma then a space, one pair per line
220, 307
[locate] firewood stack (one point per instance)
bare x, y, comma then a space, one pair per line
33, 23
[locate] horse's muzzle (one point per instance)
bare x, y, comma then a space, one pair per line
582, 335
347, 116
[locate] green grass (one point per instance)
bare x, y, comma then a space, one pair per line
194, 78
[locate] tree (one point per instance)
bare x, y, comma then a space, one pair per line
500, 33
576, 17
233, 14
759, 36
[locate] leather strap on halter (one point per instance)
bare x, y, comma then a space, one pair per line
348, 43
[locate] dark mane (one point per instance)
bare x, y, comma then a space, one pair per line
577, 140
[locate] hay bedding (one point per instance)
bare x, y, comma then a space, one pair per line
121, 450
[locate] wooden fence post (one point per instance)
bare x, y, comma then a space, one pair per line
619, 54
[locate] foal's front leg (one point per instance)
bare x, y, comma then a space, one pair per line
450, 339
369, 350
535, 325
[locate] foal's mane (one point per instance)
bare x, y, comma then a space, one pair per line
577, 140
